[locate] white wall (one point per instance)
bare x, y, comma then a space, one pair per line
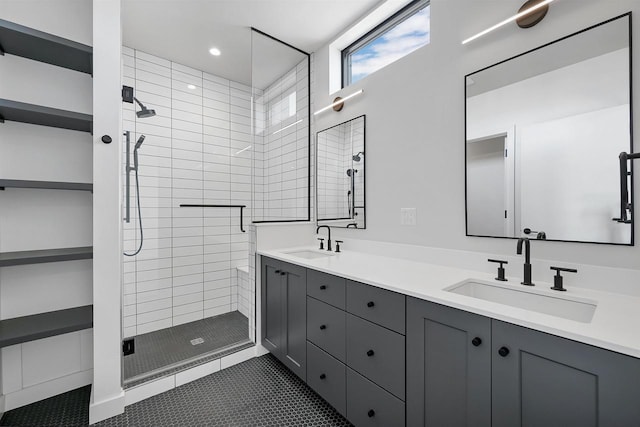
40, 219
415, 125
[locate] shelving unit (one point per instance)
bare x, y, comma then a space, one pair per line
36, 45
45, 185
8, 259
37, 326
23, 41
44, 116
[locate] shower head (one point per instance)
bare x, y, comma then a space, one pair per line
139, 142
144, 111
356, 157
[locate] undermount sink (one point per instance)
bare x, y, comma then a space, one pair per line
307, 254
580, 310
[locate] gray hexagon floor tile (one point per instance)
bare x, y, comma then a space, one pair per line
258, 392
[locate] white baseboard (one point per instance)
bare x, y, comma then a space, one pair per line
47, 389
99, 411
261, 350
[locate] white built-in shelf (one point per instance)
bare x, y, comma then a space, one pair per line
23, 41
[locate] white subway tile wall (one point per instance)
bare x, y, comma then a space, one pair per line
192, 154
281, 163
334, 184
336, 148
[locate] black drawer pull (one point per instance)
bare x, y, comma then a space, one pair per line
370, 304
323, 327
503, 351
476, 341
371, 413
277, 271
323, 287
322, 376
370, 353
282, 273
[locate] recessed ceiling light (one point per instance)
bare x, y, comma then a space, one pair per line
214, 51
192, 87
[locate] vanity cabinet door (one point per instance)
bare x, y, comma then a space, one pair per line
284, 313
448, 366
540, 380
272, 327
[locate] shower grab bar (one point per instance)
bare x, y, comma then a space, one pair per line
219, 206
625, 204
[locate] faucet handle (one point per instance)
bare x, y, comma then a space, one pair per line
557, 279
500, 269
321, 242
338, 245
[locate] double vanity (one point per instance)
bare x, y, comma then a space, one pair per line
392, 342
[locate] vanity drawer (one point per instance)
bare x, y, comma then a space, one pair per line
326, 287
327, 376
377, 353
326, 327
369, 405
380, 306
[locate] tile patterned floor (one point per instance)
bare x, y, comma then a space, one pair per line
168, 346
259, 392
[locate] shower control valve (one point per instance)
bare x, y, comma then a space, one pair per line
321, 242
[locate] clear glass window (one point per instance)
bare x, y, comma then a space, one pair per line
398, 36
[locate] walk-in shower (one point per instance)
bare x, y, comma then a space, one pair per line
189, 292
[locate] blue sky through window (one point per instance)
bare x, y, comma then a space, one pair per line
409, 35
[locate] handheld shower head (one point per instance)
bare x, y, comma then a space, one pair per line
144, 111
139, 142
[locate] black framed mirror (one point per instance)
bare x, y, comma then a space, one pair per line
544, 131
340, 175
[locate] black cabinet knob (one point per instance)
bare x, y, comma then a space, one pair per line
282, 273
322, 376
370, 304
323, 287
277, 271
370, 353
323, 327
371, 413
503, 351
476, 341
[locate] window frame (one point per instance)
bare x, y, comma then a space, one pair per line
397, 18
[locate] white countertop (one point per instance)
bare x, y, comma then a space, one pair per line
615, 325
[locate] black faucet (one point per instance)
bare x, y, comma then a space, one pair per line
328, 237
527, 260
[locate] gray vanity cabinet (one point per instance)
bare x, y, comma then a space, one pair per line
547, 381
448, 366
284, 314
468, 370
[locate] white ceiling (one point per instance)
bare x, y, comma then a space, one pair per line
184, 30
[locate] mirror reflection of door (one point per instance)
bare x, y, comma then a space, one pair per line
487, 177
566, 110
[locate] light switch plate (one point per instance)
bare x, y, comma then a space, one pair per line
408, 216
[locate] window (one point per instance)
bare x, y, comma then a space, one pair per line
395, 38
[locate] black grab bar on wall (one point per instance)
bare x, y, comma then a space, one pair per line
220, 206
625, 203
